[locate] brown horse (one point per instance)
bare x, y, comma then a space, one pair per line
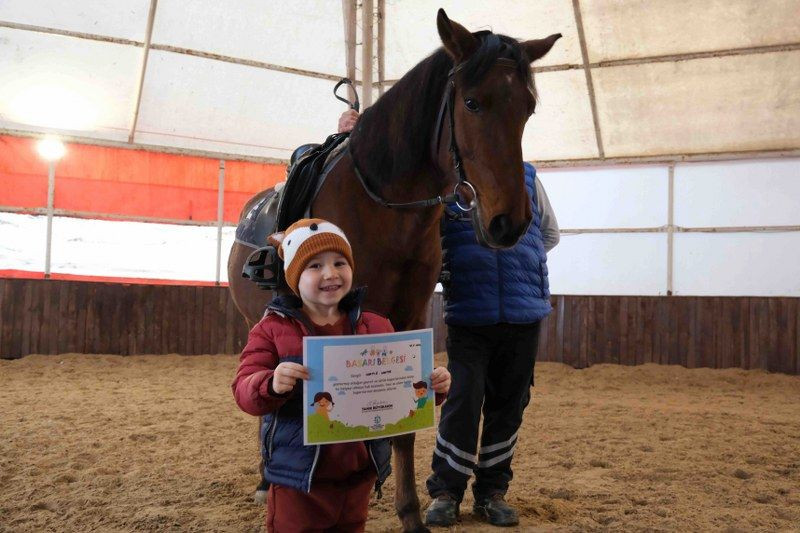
476, 94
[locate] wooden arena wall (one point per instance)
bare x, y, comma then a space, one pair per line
58, 316
692, 331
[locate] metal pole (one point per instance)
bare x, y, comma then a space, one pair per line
576, 8
349, 16
381, 45
367, 18
670, 227
148, 36
220, 215
51, 189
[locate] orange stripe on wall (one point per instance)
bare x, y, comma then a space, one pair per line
130, 182
27, 274
242, 176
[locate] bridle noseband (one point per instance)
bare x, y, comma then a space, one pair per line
446, 107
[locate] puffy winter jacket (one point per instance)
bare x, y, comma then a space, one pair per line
278, 338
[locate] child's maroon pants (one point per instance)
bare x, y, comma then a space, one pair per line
328, 507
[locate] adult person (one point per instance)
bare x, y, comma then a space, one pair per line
495, 301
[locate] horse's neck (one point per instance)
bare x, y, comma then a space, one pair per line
397, 251
392, 141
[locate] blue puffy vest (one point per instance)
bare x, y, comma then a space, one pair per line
488, 286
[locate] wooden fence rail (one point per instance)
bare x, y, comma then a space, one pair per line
54, 316
692, 331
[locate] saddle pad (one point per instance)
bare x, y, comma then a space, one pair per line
259, 222
303, 180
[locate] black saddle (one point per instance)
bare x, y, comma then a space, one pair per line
280, 208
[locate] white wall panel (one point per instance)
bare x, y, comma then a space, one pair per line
114, 248
23, 240
228, 238
562, 126
304, 34
626, 29
706, 105
611, 197
411, 28
631, 263
133, 249
737, 264
203, 104
119, 18
738, 193
74, 85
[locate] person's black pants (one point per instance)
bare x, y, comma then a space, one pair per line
492, 370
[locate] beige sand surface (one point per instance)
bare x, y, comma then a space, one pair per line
155, 443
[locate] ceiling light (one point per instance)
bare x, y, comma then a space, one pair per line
51, 149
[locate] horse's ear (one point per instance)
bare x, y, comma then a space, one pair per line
537, 48
457, 40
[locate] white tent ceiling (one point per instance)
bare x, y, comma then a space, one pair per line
251, 78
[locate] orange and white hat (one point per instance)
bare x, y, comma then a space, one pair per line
303, 240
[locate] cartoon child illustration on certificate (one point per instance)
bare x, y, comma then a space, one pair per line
420, 395
323, 404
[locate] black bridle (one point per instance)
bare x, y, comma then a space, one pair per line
447, 107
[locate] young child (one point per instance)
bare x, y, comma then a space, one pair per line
311, 487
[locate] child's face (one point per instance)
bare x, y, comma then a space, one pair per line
421, 392
323, 402
326, 279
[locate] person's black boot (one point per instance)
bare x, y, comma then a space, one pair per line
443, 511
496, 511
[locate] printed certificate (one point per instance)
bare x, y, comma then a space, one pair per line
367, 386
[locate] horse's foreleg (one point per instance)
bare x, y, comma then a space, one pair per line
405, 496
260, 495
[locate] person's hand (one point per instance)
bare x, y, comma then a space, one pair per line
348, 120
440, 380
286, 375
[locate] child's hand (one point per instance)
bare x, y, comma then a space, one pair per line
440, 380
286, 375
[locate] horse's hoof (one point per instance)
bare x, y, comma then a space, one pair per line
260, 497
418, 529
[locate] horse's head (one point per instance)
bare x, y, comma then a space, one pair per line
493, 99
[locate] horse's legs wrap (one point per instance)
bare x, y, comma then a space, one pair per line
260, 496
405, 495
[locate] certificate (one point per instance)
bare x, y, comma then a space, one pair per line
367, 386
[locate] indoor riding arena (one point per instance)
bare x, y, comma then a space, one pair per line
666, 134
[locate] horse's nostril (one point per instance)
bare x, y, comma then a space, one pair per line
501, 230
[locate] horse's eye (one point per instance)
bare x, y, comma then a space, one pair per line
471, 104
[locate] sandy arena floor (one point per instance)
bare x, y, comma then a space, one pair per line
156, 443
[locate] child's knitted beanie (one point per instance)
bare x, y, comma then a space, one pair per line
303, 240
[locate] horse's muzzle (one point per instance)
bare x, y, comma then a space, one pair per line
504, 233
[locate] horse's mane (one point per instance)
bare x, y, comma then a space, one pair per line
392, 138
